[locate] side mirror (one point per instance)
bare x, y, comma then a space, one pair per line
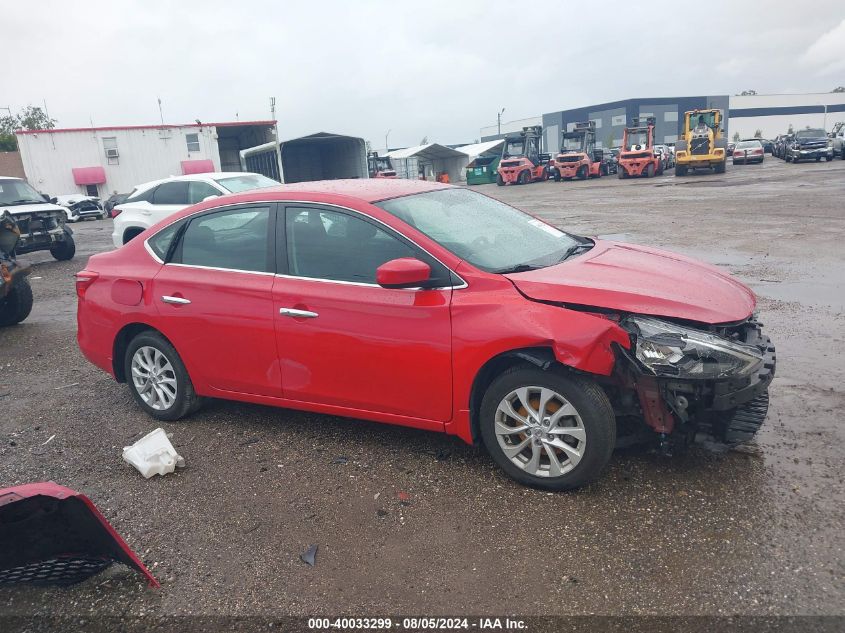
45, 197
53, 200
405, 272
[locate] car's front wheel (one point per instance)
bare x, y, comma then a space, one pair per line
17, 305
158, 379
64, 250
548, 429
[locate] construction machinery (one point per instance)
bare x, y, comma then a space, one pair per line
578, 157
638, 156
380, 166
522, 159
703, 144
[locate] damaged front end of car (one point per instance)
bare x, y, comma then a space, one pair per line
694, 382
42, 230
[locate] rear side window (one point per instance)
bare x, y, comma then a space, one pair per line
171, 193
235, 239
146, 195
161, 241
199, 191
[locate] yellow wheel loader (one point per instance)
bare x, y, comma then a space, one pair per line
703, 144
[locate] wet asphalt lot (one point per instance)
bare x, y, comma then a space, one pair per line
752, 531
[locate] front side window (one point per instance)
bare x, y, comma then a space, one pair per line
235, 239
488, 234
193, 142
171, 193
326, 244
199, 191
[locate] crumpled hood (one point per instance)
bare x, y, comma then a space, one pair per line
641, 280
19, 209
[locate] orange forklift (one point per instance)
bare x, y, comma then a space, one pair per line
637, 156
578, 157
522, 161
380, 166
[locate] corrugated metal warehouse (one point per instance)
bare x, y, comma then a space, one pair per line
320, 156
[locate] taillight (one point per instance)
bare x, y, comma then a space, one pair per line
84, 278
758, 151
115, 212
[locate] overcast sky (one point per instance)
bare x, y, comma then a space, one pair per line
423, 69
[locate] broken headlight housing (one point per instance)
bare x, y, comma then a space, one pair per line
670, 350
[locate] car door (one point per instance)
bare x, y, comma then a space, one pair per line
214, 295
345, 341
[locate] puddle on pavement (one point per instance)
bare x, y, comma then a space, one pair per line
814, 293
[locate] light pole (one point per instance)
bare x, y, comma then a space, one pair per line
499, 120
386, 146
824, 125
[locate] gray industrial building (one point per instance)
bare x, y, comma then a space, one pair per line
611, 118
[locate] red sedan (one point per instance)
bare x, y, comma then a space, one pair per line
429, 306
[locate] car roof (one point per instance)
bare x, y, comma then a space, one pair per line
365, 189
211, 175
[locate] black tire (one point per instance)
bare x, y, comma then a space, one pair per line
589, 400
620, 173
18, 303
523, 178
186, 400
720, 168
499, 181
583, 172
649, 172
557, 176
64, 250
827, 159
680, 170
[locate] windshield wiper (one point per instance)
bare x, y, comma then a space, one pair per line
14, 203
519, 268
574, 249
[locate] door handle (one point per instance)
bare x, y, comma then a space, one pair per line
298, 314
181, 301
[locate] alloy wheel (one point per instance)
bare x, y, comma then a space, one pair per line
540, 431
154, 378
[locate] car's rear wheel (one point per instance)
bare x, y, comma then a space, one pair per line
17, 305
547, 429
64, 250
158, 379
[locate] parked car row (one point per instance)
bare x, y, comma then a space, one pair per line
807, 144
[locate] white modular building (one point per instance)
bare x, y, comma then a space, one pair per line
100, 161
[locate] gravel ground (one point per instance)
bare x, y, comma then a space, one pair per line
752, 531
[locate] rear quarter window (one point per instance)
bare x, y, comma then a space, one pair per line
161, 242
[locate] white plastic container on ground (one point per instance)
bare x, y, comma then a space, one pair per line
153, 454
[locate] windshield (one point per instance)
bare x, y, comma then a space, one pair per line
487, 233
572, 144
245, 182
636, 138
14, 192
514, 147
748, 145
708, 119
811, 133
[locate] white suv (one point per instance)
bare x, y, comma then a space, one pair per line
153, 201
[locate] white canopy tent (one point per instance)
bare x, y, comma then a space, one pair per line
428, 161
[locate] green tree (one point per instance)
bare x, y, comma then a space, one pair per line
758, 133
748, 93
790, 130
736, 137
30, 118
839, 89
